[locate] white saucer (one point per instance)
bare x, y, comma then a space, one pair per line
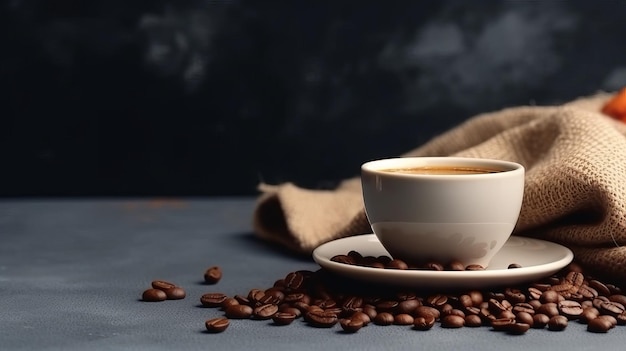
538, 259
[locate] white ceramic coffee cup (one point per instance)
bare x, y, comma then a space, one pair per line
442, 217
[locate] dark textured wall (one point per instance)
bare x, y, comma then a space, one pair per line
211, 97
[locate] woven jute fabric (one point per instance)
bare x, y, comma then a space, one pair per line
575, 186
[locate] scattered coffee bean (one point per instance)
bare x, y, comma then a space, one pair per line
239, 312
362, 316
452, 321
514, 265
540, 321
162, 285
599, 325
473, 320
217, 325
474, 267
423, 323
283, 318
518, 328
153, 295
266, 311
434, 266
176, 293
456, 266
350, 325
384, 318
403, 319
213, 299
213, 275
397, 264
502, 324
321, 319
557, 323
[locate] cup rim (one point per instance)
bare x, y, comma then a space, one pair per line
380, 165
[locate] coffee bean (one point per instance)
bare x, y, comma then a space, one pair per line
361, 316
294, 281
549, 296
266, 311
370, 311
437, 300
434, 266
162, 285
384, 318
621, 299
524, 317
456, 266
474, 267
154, 295
213, 275
473, 320
496, 307
514, 295
175, 293
575, 278
518, 328
355, 254
534, 293
599, 325
524, 307
557, 323
588, 314
345, 259
285, 308
283, 318
600, 287
217, 325
611, 308
213, 299
242, 300
239, 312
570, 309
452, 321
621, 318
615, 290
407, 306
612, 320
387, 306
477, 297
321, 319
550, 309
514, 265
403, 319
229, 301
350, 325
427, 311
598, 301
423, 323
535, 304
397, 264
540, 321
502, 324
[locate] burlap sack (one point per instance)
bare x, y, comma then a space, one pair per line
575, 192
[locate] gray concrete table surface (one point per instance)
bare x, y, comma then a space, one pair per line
72, 272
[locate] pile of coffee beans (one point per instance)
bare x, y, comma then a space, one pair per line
322, 299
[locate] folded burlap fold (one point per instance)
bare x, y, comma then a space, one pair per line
575, 191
